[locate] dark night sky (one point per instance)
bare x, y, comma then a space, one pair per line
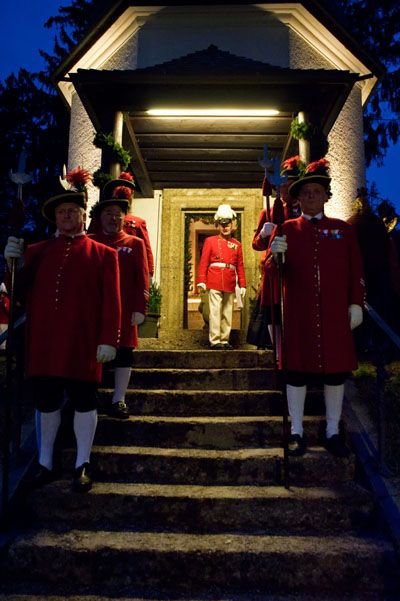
22, 33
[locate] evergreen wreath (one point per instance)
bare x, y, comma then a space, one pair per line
301, 131
100, 178
107, 143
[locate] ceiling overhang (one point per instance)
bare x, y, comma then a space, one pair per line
318, 28
209, 152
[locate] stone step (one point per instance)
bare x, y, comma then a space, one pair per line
201, 359
190, 564
208, 432
209, 402
193, 379
251, 466
212, 509
50, 596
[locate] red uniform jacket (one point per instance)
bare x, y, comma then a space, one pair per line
136, 226
4, 308
134, 280
73, 306
322, 276
218, 250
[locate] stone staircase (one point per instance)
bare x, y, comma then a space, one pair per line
188, 501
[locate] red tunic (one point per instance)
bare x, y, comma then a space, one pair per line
322, 276
4, 308
136, 226
134, 280
218, 250
73, 306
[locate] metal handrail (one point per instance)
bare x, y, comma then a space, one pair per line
382, 324
381, 378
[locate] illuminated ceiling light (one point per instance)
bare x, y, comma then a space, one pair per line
213, 112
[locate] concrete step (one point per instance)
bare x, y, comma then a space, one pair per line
212, 509
192, 379
190, 564
210, 402
251, 466
208, 432
44, 596
50, 596
201, 359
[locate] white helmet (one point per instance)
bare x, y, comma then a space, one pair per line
224, 212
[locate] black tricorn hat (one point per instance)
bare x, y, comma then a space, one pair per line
49, 206
123, 203
315, 173
125, 180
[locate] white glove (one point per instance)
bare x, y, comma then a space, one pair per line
202, 286
137, 318
14, 249
243, 292
267, 229
278, 245
355, 316
105, 353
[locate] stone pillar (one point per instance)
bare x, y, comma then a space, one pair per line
346, 157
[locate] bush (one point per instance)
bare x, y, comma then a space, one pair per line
155, 298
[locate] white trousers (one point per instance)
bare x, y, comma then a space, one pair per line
221, 311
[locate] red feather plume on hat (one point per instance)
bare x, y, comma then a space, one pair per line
292, 162
320, 167
78, 178
128, 176
122, 192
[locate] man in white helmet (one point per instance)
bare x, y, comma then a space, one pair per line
220, 269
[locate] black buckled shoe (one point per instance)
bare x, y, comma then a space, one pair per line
296, 445
217, 347
336, 446
118, 410
82, 481
227, 346
43, 476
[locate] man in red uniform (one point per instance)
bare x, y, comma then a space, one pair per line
133, 225
324, 294
134, 281
291, 169
136, 226
73, 321
220, 268
4, 312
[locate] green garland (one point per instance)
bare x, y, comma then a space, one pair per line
301, 131
107, 143
100, 178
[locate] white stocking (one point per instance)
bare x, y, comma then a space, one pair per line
277, 338
85, 424
295, 397
47, 425
122, 376
333, 403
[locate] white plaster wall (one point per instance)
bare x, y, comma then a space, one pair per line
82, 151
346, 144
125, 57
150, 209
242, 30
346, 157
304, 56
